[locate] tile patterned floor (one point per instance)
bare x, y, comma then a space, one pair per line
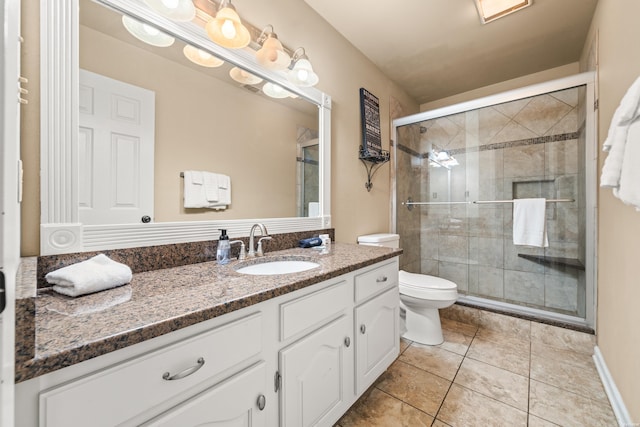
492, 370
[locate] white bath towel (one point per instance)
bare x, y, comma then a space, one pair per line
617, 137
93, 275
629, 189
529, 222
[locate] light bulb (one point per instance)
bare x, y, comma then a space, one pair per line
171, 4
152, 31
228, 29
203, 55
303, 74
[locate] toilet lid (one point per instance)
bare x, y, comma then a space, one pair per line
414, 280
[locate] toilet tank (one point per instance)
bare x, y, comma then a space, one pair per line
387, 240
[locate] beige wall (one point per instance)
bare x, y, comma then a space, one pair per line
530, 79
342, 70
618, 316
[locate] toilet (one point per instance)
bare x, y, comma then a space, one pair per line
421, 296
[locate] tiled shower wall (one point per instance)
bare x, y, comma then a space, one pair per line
532, 147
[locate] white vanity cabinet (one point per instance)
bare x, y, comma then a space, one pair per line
317, 376
323, 345
376, 322
315, 371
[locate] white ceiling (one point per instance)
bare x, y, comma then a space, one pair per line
438, 48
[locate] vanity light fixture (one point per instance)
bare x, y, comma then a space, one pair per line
226, 28
201, 57
272, 55
275, 91
301, 72
244, 77
146, 33
490, 10
176, 10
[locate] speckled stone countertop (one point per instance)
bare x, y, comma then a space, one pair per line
70, 330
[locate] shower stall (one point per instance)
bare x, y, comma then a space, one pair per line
458, 170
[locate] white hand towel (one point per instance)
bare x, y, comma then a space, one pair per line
93, 275
529, 222
194, 195
211, 190
224, 193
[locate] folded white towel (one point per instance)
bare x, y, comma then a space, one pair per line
211, 191
93, 275
529, 222
206, 190
617, 137
194, 190
629, 189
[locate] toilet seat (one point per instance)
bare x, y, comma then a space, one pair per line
426, 287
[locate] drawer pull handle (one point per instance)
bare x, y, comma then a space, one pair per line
183, 374
363, 328
262, 402
381, 279
347, 342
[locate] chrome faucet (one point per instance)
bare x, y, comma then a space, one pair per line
265, 236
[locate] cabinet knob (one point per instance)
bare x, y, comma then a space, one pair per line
262, 402
363, 329
382, 279
347, 342
183, 374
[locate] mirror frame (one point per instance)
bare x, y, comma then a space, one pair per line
60, 229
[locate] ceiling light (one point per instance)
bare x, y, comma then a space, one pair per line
244, 77
177, 10
301, 72
226, 28
491, 10
201, 57
272, 55
275, 91
146, 33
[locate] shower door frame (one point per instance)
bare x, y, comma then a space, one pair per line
591, 164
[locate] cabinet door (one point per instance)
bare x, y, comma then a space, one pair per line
377, 339
236, 402
317, 376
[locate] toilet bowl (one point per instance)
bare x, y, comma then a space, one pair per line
421, 296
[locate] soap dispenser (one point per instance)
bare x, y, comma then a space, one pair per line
224, 248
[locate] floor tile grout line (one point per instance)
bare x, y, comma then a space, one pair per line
454, 377
405, 402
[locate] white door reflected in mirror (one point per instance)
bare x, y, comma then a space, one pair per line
116, 150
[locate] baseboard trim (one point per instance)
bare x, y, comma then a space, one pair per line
617, 404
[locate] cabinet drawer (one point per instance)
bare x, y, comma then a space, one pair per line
119, 393
378, 279
313, 310
232, 402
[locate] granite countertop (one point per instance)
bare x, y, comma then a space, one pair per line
70, 330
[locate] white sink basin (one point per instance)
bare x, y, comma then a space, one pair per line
277, 267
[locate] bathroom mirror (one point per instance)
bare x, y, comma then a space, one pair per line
256, 141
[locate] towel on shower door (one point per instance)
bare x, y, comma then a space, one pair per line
529, 222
